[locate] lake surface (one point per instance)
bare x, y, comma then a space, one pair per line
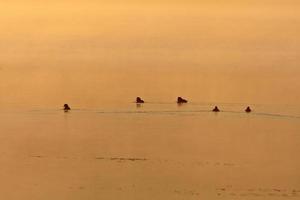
158, 150
98, 56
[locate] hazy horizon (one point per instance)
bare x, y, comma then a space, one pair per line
104, 51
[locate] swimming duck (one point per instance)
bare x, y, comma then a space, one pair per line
66, 108
216, 109
181, 100
139, 100
248, 109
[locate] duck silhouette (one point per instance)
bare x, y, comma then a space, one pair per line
248, 109
66, 108
181, 100
139, 100
216, 109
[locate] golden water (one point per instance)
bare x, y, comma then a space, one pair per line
99, 56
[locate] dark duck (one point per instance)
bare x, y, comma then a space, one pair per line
139, 100
248, 109
66, 108
181, 100
216, 109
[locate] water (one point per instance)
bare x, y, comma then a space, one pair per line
99, 56
159, 150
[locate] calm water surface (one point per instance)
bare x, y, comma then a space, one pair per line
98, 56
160, 151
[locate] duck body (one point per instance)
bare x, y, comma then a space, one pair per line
248, 110
181, 100
216, 109
66, 107
139, 100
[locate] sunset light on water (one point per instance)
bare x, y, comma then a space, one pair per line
114, 100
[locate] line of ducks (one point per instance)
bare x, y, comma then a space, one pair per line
180, 100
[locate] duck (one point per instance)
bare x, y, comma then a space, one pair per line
181, 100
66, 108
248, 109
216, 109
139, 100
